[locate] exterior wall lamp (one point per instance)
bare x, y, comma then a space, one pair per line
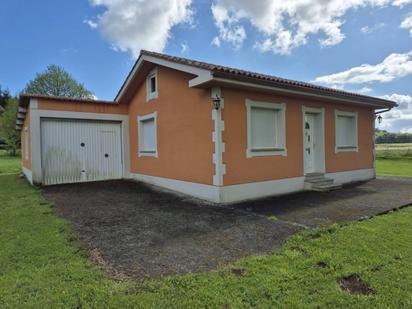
216, 102
380, 119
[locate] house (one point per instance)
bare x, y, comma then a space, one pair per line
213, 132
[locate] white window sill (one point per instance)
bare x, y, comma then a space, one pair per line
346, 149
148, 153
152, 96
250, 153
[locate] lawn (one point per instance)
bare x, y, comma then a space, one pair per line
42, 265
9, 164
394, 159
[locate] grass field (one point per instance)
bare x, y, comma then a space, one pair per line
394, 160
9, 164
42, 266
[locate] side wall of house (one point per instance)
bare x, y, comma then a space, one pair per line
184, 130
26, 162
241, 170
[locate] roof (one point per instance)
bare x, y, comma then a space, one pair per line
219, 71
24, 99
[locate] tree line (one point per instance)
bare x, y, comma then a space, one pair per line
385, 137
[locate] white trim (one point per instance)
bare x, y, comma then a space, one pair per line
321, 137
26, 143
151, 95
219, 127
28, 174
202, 75
256, 190
35, 135
281, 135
284, 90
202, 191
139, 136
248, 191
352, 176
351, 148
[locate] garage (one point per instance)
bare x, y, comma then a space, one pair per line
80, 150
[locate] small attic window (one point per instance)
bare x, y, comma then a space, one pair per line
151, 86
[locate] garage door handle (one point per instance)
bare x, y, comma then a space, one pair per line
106, 155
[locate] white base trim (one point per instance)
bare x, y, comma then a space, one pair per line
202, 191
255, 190
248, 191
352, 176
28, 174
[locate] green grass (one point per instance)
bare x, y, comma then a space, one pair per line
394, 167
394, 145
41, 266
9, 164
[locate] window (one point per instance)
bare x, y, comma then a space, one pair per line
147, 135
151, 85
265, 129
26, 144
346, 131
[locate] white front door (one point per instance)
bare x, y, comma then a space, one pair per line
309, 145
80, 150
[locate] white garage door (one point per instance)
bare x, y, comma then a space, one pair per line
80, 150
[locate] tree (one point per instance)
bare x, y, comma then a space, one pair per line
8, 132
4, 96
55, 81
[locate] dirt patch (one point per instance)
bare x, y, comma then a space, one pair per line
354, 285
322, 264
238, 271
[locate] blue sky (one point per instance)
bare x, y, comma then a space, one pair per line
356, 45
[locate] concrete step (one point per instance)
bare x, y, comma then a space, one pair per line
325, 188
319, 180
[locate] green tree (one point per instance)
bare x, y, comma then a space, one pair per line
8, 133
4, 96
55, 81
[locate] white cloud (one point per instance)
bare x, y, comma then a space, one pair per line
371, 29
90, 23
392, 67
184, 48
215, 41
407, 130
399, 118
364, 90
407, 24
131, 25
286, 25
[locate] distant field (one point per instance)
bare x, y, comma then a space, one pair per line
394, 151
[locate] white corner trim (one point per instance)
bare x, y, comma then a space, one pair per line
352, 176
354, 148
282, 150
151, 95
219, 127
140, 137
33, 104
27, 173
202, 191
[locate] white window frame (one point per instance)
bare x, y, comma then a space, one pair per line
140, 119
26, 143
149, 94
280, 149
346, 148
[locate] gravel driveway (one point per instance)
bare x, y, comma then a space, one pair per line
137, 230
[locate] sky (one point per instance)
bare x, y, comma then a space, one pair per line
361, 46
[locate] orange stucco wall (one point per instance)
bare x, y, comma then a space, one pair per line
184, 129
82, 107
26, 124
240, 169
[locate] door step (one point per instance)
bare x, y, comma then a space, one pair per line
318, 182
